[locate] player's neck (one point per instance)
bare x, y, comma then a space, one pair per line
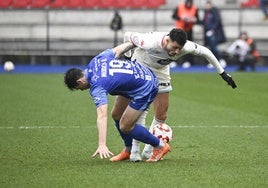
164, 41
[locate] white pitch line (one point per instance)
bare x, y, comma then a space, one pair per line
221, 126
174, 127
42, 127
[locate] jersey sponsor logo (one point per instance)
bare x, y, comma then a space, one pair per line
95, 77
104, 69
96, 100
148, 77
164, 61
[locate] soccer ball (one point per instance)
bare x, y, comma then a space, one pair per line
163, 132
9, 66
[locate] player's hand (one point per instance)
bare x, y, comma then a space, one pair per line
103, 151
227, 78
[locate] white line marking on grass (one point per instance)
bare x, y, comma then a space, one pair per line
221, 126
174, 127
6, 127
49, 127
43, 127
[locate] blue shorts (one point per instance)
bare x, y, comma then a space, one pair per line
143, 103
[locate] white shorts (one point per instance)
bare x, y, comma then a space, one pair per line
163, 76
162, 72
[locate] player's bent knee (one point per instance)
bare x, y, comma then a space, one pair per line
115, 115
125, 130
125, 127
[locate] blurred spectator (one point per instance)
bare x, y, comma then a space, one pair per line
245, 51
213, 31
116, 25
263, 6
185, 16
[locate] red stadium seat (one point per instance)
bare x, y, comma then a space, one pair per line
21, 3
75, 4
107, 3
58, 3
250, 3
139, 3
91, 3
5, 3
123, 4
40, 3
155, 3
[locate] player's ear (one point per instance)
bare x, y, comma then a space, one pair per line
81, 80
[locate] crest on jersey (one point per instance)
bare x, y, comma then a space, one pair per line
137, 42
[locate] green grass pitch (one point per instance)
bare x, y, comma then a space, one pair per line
48, 134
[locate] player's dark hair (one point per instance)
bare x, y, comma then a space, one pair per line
71, 76
178, 35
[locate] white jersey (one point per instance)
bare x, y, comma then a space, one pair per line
150, 52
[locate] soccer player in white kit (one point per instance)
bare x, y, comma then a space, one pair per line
157, 50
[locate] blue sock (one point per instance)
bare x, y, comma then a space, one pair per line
140, 133
126, 137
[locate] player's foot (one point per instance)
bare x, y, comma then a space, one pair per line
146, 154
135, 156
124, 155
158, 153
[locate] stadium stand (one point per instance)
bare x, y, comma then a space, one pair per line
81, 27
85, 4
75, 4
91, 4
58, 4
123, 4
40, 3
21, 3
250, 3
107, 4
139, 4
155, 3
5, 3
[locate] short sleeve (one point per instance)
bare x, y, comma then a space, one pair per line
99, 95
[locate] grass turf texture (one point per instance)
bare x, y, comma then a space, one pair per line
48, 134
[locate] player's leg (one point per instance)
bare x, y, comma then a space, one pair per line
118, 109
128, 126
138, 132
127, 123
135, 150
120, 105
160, 104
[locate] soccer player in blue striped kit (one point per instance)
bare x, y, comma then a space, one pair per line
136, 87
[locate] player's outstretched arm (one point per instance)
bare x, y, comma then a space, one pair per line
122, 48
102, 119
206, 53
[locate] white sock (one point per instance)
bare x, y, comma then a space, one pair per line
136, 143
135, 146
161, 144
